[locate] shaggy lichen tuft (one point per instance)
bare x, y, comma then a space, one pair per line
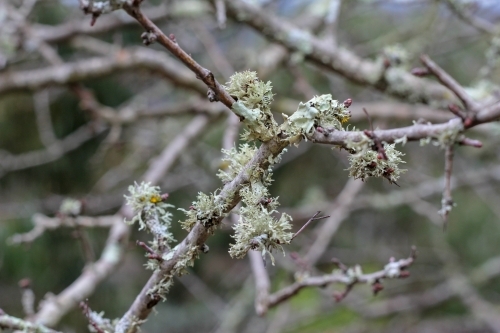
367, 163
205, 209
257, 229
150, 210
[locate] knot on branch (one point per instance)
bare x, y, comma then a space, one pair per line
149, 37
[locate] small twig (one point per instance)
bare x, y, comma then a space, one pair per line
464, 141
369, 119
88, 252
86, 311
450, 83
377, 143
455, 109
171, 45
340, 265
447, 201
152, 254
313, 218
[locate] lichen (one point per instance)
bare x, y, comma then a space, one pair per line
253, 100
369, 164
396, 55
205, 209
320, 111
161, 289
257, 229
150, 210
235, 160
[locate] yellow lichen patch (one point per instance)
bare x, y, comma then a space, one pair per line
155, 199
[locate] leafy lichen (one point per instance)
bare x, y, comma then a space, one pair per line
254, 98
320, 111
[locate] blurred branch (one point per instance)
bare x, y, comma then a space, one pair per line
54, 308
114, 21
43, 223
468, 17
340, 60
125, 59
338, 211
41, 103
13, 323
447, 200
56, 150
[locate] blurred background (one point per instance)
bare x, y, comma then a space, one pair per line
69, 137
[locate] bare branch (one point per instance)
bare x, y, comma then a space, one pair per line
156, 61
171, 45
475, 21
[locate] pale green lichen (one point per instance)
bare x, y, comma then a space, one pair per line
448, 137
185, 260
234, 161
161, 289
320, 111
257, 229
104, 324
254, 98
444, 138
360, 146
206, 209
396, 55
369, 164
150, 210
70, 207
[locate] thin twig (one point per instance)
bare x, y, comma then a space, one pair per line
313, 218
86, 311
450, 83
171, 45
